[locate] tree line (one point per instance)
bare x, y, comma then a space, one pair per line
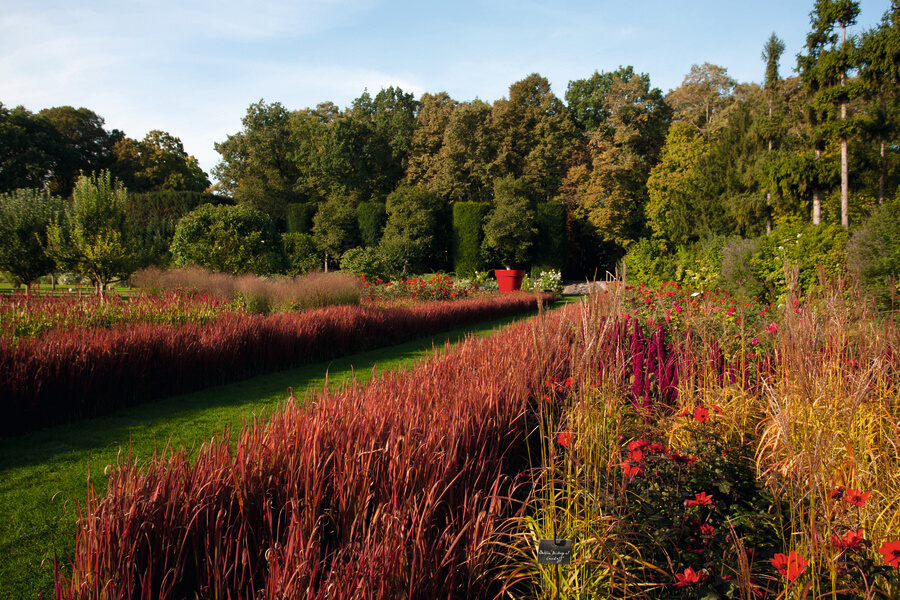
629, 164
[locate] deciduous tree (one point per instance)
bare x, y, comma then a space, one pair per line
25, 216
158, 163
91, 238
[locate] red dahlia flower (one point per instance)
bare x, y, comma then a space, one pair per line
856, 497
891, 553
701, 499
850, 541
791, 566
689, 577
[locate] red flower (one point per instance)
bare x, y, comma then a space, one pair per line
773, 327
701, 499
791, 566
701, 414
891, 553
717, 409
836, 494
682, 458
707, 530
687, 578
632, 469
637, 444
636, 455
856, 497
850, 541
565, 438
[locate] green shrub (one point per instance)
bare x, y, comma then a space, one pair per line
873, 251
696, 266
301, 252
363, 261
649, 262
229, 239
335, 226
550, 245
801, 246
299, 216
371, 217
737, 274
468, 233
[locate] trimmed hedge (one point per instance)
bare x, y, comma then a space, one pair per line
153, 217
372, 217
550, 246
468, 233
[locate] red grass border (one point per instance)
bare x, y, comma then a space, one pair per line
68, 376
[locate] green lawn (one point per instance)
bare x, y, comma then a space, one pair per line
43, 475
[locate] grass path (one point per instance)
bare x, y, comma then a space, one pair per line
43, 474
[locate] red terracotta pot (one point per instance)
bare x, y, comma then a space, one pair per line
509, 280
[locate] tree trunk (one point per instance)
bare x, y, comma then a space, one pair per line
845, 183
845, 168
817, 199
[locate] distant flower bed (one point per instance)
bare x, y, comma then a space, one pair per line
436, 287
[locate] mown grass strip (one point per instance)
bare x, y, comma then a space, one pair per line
44, 474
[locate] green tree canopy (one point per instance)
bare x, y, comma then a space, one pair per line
536, 135
31, 150
92, 237
336, 226
25, 216
509, 231
258, 165
417, 233
702, 96
158, 163
89, 146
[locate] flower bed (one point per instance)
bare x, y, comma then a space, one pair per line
681, 458
69, 374
437, 287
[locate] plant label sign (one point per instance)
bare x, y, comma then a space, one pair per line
554, 552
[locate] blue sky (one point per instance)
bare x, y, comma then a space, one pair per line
192, 67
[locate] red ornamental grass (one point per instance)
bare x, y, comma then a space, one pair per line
689, 577
48, 379
387, 490
891, 553
791, 566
